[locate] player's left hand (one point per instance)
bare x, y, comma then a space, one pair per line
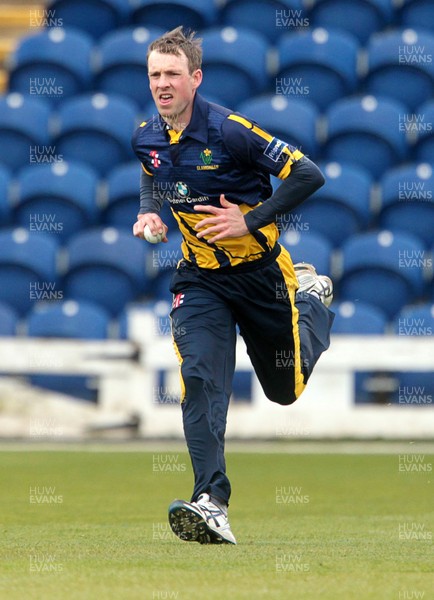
226, 222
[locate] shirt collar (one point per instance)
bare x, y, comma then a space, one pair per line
198, 126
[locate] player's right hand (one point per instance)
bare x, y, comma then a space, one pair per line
155, 224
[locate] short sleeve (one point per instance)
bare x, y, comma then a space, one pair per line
249, 144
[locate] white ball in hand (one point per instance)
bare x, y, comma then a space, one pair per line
149, 237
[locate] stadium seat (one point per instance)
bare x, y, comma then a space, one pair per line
105, 266
74, 320
96, 129
59, 199
122, 67
431, 282
341, 207
408, 201
424, 148
68, 319
24, 130
8, 320
319, 65
382, 268
192, 14
415, 321
123, 198
416, 14
308, 247
358, 17
293, 121
53, 64
162, 258
27, 268
268, 17
400, 66
365, 131
358, 318
234, 64
95, 17
5, 209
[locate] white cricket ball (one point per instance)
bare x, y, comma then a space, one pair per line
149, 237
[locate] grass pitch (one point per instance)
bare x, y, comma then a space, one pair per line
93, 525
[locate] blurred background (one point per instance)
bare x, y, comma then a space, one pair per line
85, 341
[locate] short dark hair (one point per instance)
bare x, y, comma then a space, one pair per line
173, 41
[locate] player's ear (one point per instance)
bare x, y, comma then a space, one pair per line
197, 78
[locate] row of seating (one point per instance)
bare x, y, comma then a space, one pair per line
112, 268
360, 17
71, 319
321, 65
96, 129
63, 198
83, 319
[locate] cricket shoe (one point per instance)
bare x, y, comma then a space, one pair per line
309, 281
201, 521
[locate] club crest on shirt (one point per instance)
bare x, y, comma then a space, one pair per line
207, 157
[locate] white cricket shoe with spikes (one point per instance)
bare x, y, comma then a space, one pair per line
202, 521
309, 281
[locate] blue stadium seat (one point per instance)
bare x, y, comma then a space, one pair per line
122, 67
365, 131
123, 198
95, 17
400, 66
268, 17
27, 268
384, 269
8, 320
424, 148
5, 209
415, 321
416, 14
293, 121
24, 130
163, 258
234, 64
431, 283
58, 198
358, 318
408, 201
97, 129
106, 266
68, 319
341, 207
309, 247
192, 14
358, 17
74, 320
53, 64
319, 65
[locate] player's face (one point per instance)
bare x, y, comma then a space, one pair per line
173, 87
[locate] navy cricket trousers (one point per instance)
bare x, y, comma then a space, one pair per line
285, 333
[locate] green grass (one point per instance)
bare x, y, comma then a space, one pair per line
103, 534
